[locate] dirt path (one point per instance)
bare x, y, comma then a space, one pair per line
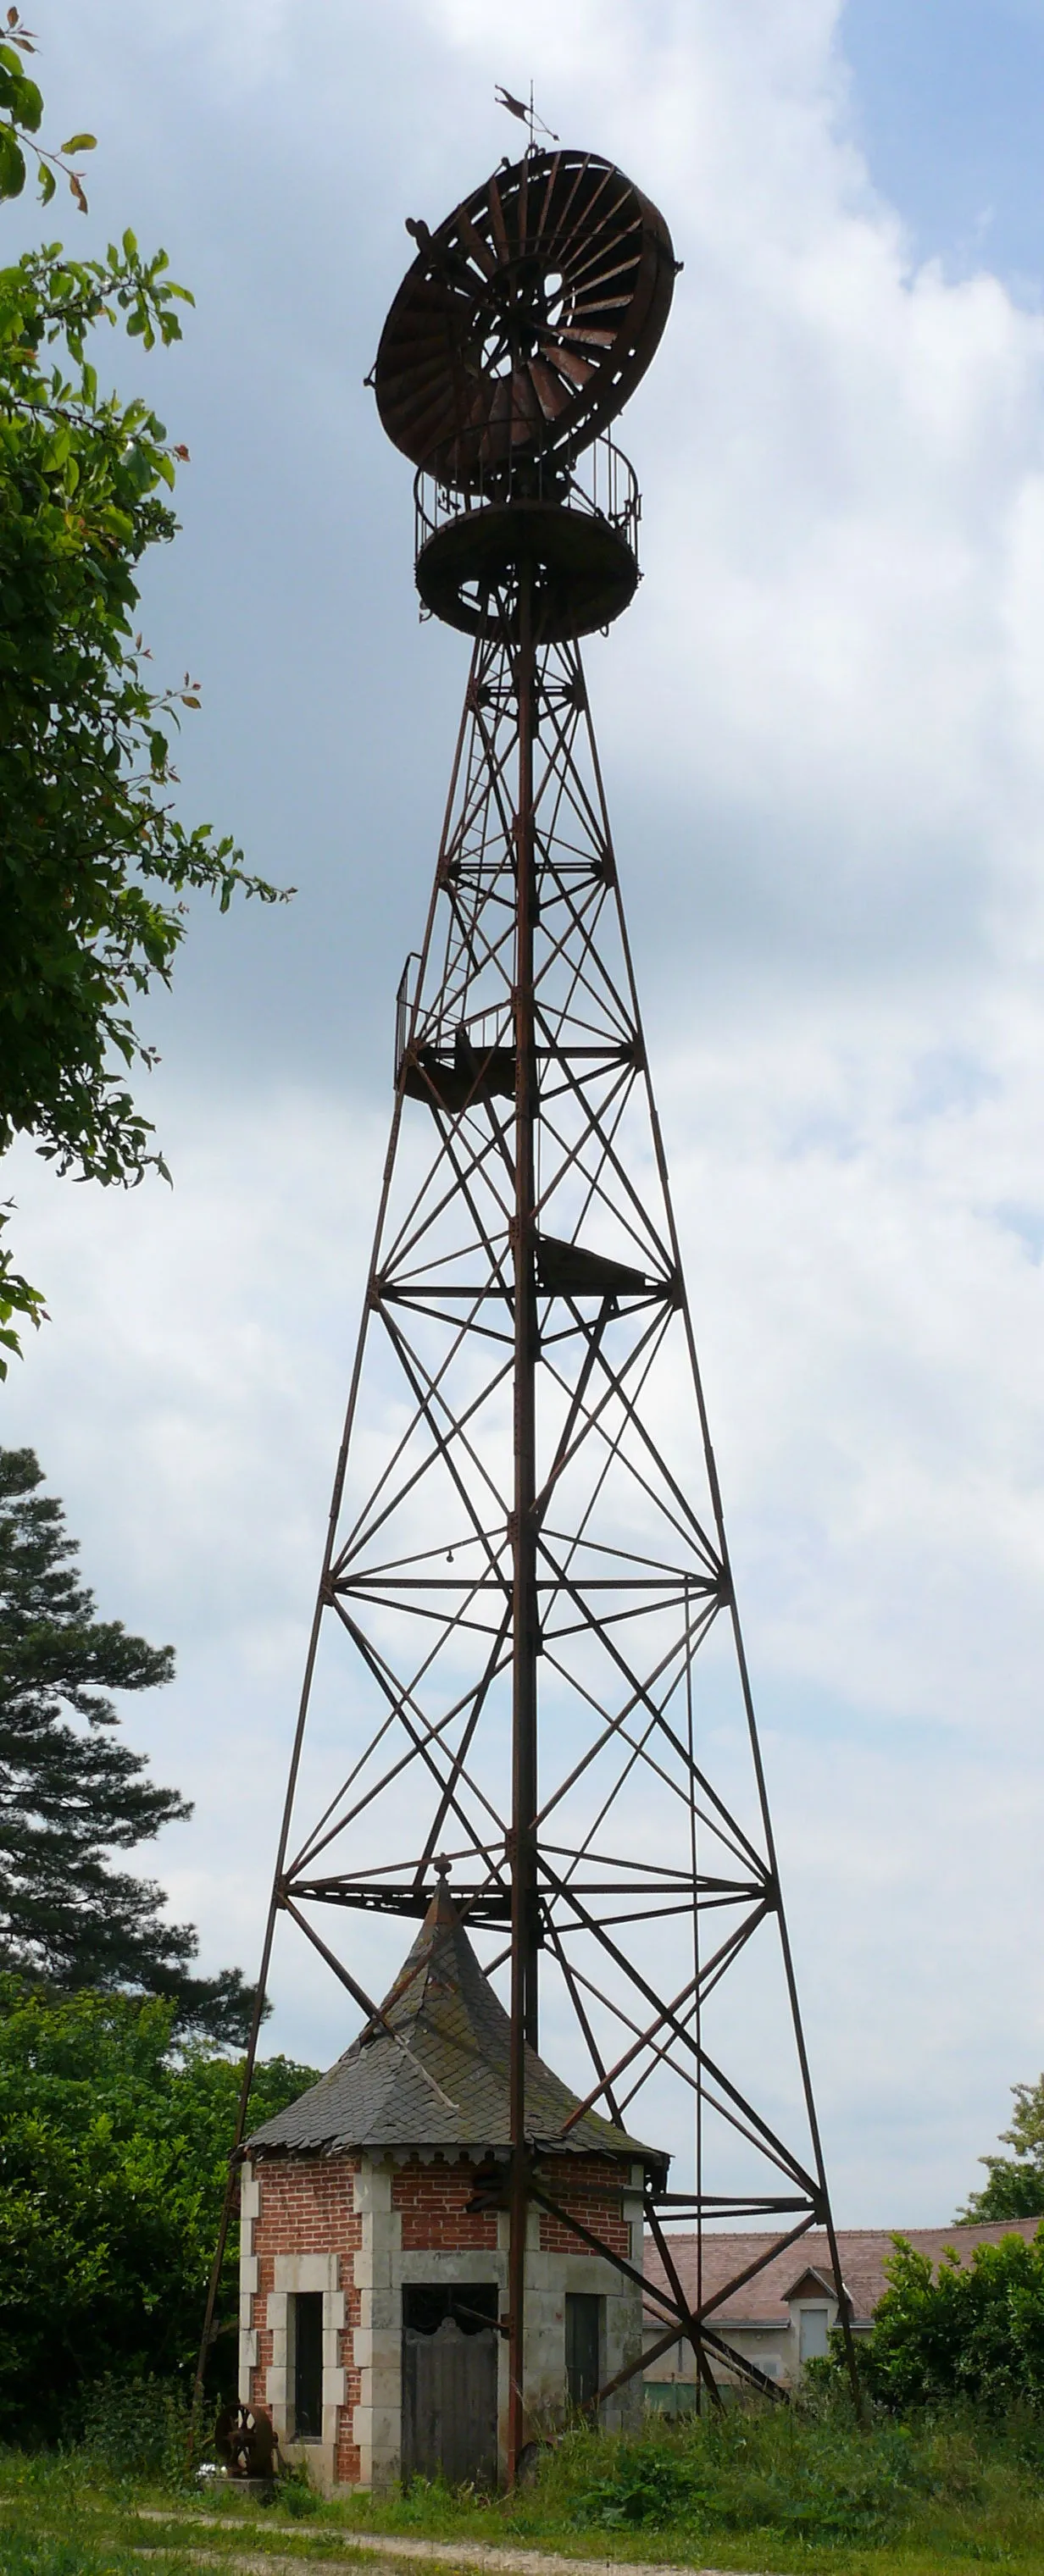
429, 2553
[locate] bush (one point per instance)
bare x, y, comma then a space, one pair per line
647, 2485
295, 2493
137, 2428
809, 2475
974, 2332
113, 2158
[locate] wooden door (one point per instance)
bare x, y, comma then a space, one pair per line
449, 2392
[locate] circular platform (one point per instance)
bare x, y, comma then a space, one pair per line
583, 570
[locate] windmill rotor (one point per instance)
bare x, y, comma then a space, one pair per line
526, 319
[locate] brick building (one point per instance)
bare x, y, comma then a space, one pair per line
374, 2240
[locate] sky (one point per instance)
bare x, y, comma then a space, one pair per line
822, 726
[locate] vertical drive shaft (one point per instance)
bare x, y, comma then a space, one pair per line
526, 1636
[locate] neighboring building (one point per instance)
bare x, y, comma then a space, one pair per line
374, 2237
782, 2318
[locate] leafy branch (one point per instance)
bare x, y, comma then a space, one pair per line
95, 865
21, 114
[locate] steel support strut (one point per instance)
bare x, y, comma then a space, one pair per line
523, 1533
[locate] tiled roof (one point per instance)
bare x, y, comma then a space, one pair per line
863, 2251
439, 2076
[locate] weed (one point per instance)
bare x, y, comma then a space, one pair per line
137, 2428
295, 2493
36, 2553
802, 2490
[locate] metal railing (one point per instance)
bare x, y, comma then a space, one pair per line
404, 1004
497, 464
484, 1030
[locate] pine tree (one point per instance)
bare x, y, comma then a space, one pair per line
72, 1794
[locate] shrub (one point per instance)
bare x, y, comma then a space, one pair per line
113, 2158
136, 2428
807, 2475
975, 2331
647, 2485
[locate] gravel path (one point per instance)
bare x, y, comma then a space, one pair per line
428, 2553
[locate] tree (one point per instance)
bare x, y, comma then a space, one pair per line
113, 2161
975, 2330
94, 864
1016, 2183
70, 1795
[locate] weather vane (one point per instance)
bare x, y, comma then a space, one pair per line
526, 115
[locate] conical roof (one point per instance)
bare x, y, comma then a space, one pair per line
435, 2071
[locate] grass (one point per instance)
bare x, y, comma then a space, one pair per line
788, 2492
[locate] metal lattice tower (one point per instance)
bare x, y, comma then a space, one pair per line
525, 1607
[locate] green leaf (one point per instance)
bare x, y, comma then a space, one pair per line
12, 165
48, 183
81, 143
30, 105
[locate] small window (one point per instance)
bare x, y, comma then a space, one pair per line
812, 2334
583, 2335
306, 2364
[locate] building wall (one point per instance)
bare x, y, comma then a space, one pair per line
300, 2230
775, 2347
359, 2228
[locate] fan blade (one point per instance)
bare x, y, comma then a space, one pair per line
622, 261
478, 249
579, 370
551, 395
593, 339
526, 413
550, 183
496, 216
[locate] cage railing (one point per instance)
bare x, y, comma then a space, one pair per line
484, 1030
404, 1004
496, 463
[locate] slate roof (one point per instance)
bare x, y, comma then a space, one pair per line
439, 2076
864, 2252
